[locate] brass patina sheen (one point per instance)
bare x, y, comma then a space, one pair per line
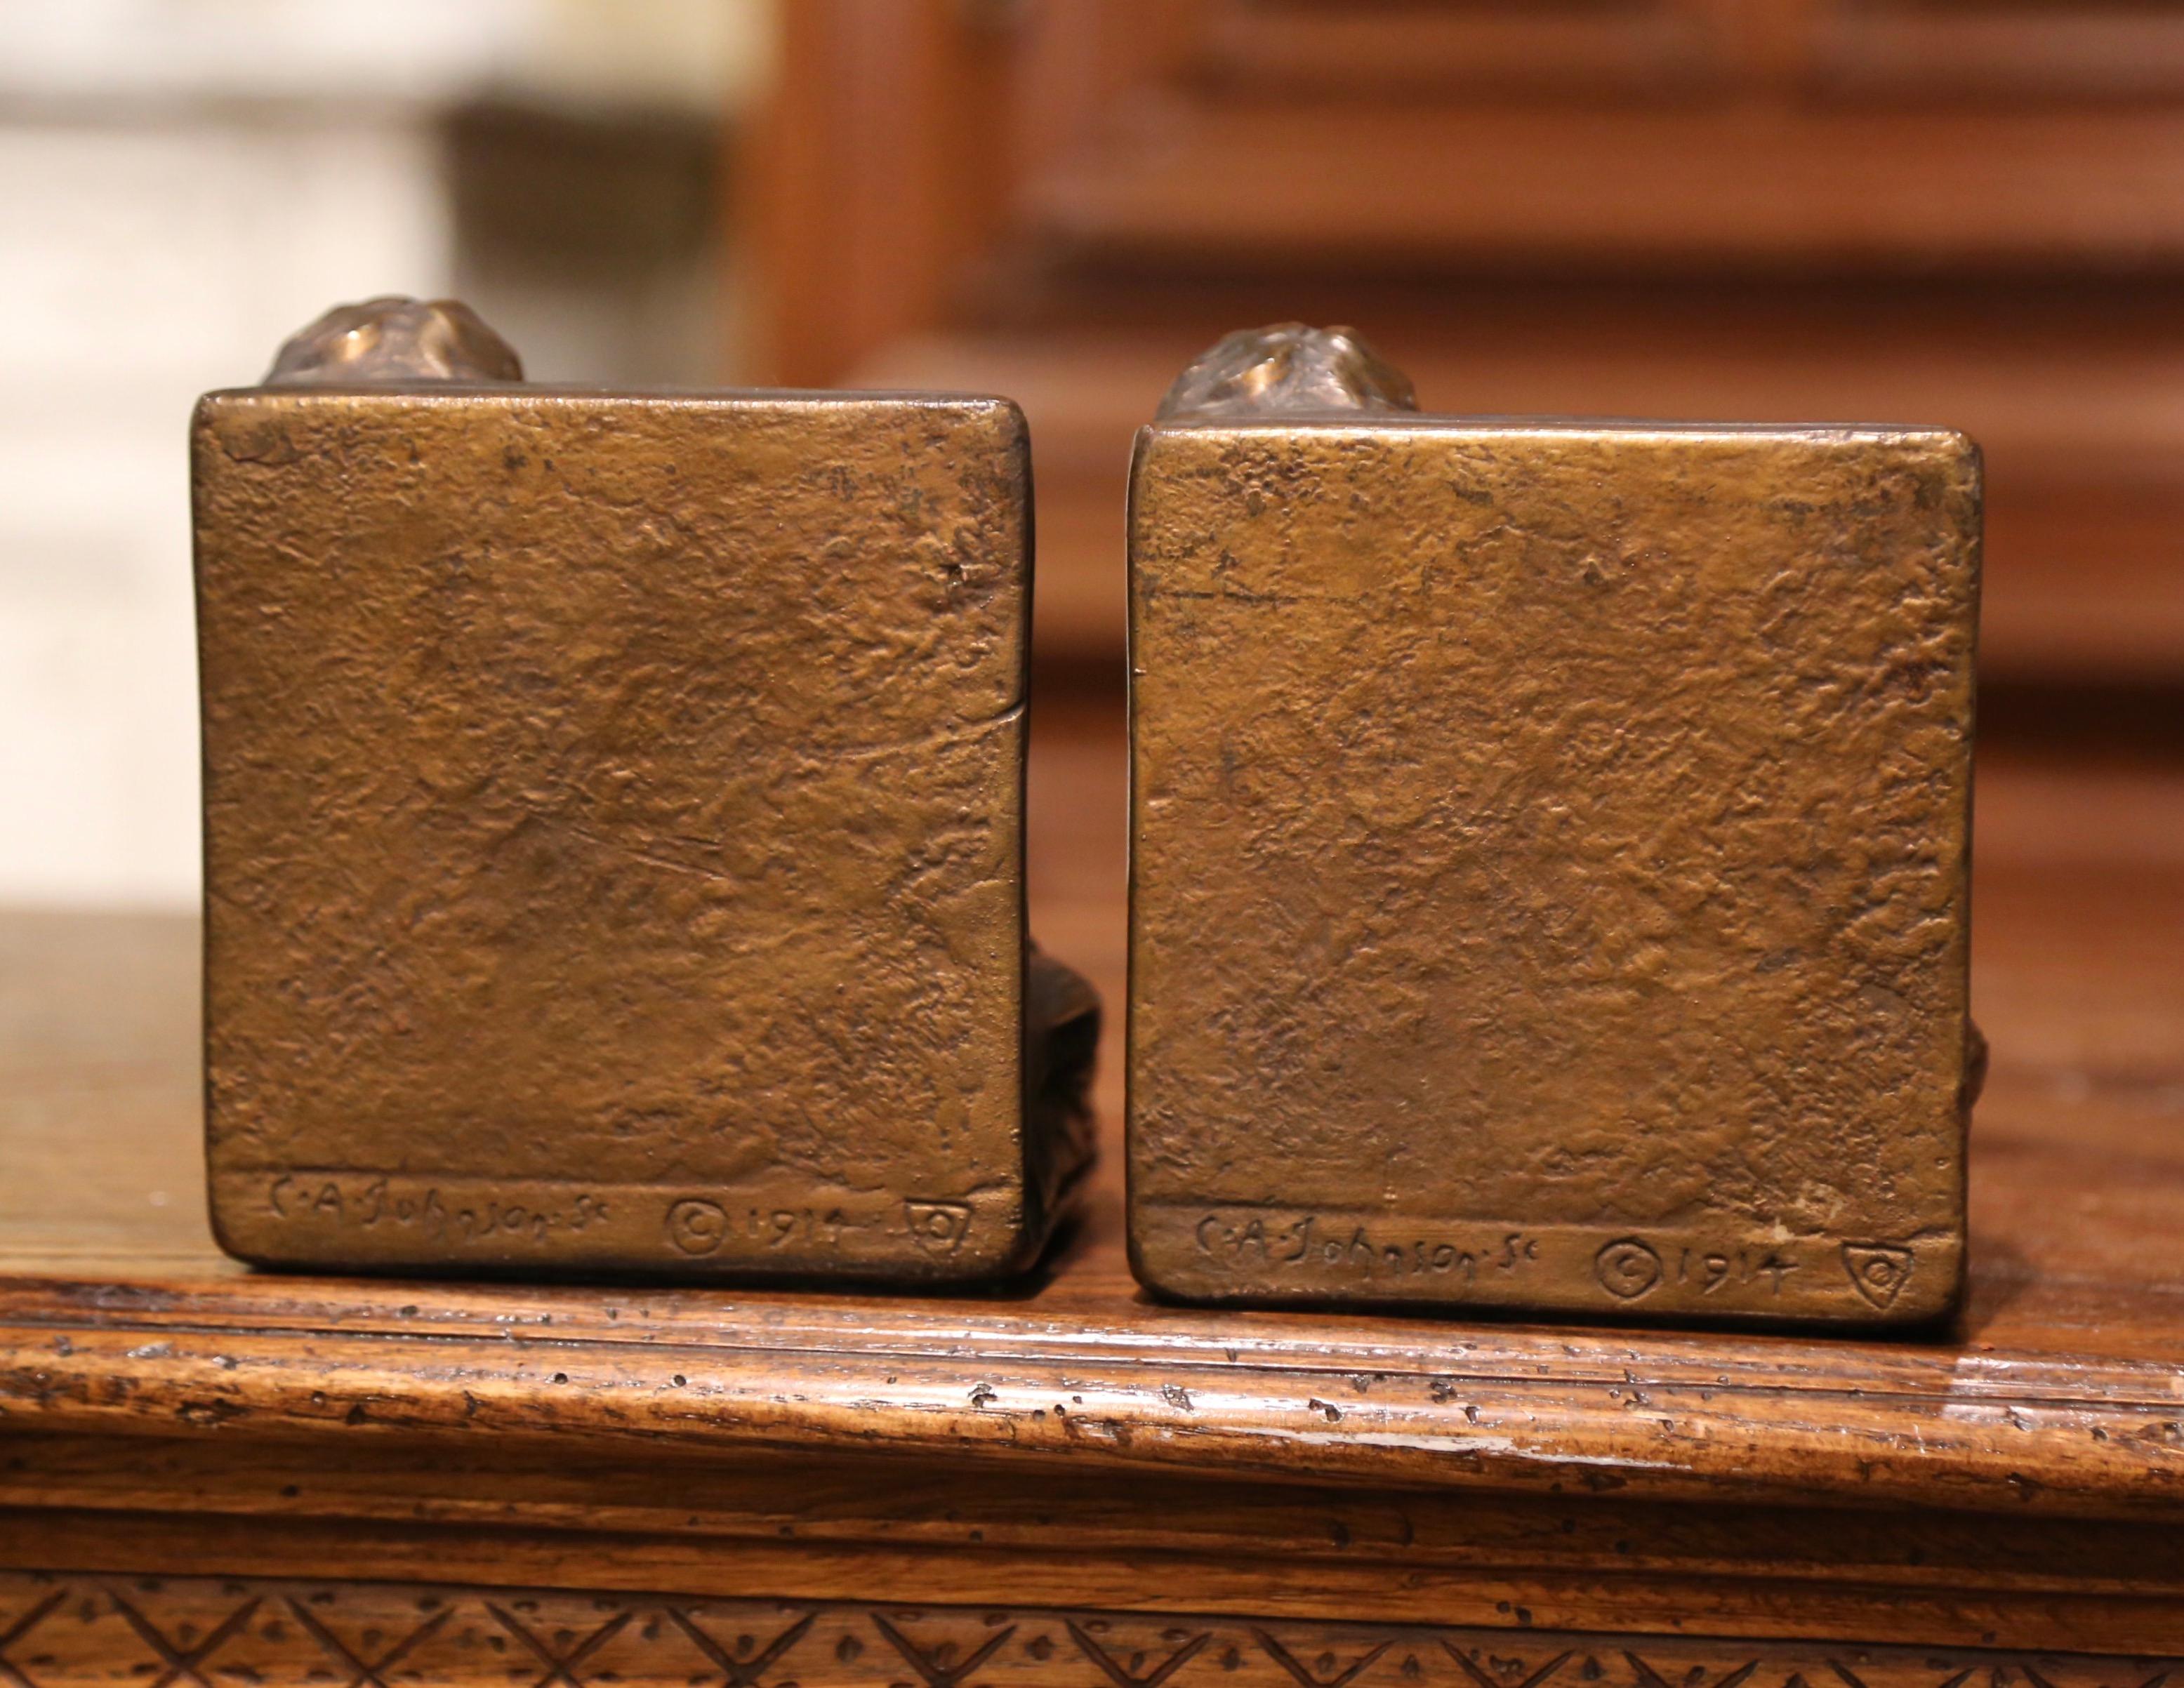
614, 841
393, 339
1551, 851
1287, 369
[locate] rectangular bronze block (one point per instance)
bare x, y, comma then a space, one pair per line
614, 840
1550, 849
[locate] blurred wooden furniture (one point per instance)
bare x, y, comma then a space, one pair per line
212, 1478
1966, 211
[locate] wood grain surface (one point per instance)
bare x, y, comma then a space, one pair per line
2016, 1480
57, 1631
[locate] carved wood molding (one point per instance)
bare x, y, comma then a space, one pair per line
57, 1631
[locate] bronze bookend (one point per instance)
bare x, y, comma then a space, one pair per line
1551, 846
614, 825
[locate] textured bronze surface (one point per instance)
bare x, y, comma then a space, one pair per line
1550, 849
614, 835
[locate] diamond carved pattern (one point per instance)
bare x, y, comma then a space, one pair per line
366, 1673
86, 1632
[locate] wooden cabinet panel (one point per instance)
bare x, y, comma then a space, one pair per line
1456, 188
2011, 49
2083, 431
1384, 48
1968, 212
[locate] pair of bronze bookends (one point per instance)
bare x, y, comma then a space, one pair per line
1550, 840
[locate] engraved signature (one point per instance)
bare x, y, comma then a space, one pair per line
457, 1211
458, 1219
1305, 1243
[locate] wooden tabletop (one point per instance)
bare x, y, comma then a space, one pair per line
2060, 1392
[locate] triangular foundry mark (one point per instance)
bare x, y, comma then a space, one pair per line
1878, 1271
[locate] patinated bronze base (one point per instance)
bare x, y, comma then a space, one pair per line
614, 843
1550, 848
